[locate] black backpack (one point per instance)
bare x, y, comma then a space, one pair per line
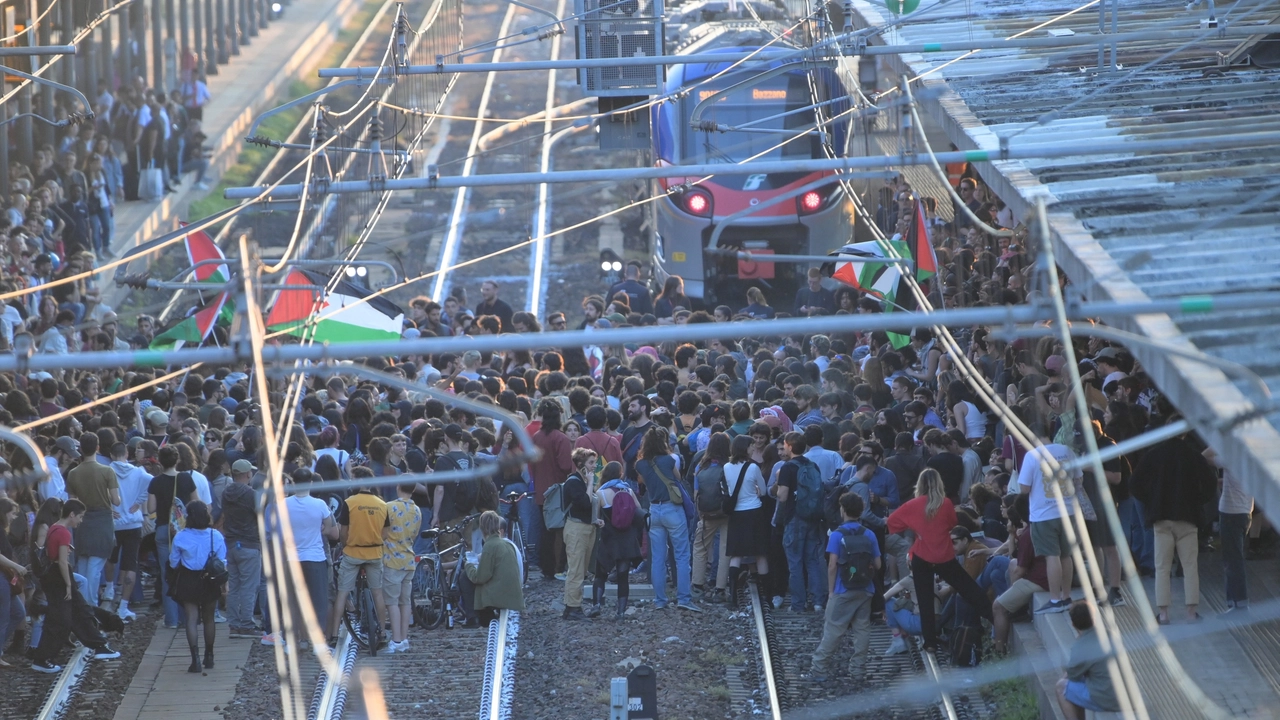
857, 552
714, 499
966, 646
832, 491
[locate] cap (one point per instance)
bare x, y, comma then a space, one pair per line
68, 445
243, 466
134, 442
411, 333
616, 318
1107, 352
158, 417
453, 431
603, 324
1054, 363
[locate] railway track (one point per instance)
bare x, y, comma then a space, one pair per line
777, 679
445, 674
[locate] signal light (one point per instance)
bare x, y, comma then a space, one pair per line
698, 202
810, 202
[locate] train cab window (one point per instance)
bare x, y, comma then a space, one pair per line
761, 111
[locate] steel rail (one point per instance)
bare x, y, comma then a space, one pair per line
329, 699
56, 704
1091, 148
766, 654
931, 667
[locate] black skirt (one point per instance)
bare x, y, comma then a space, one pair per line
614, 545
190, 586
749, 533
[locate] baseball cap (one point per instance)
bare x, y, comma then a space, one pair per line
1054, 363
68, 445
453, 431
243, 466
158, 417
1107, 352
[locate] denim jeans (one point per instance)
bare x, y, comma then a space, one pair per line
91, 568
12, 613
1235, 527
171, 609
995, 575
667, 523
904, 620
1142, 541
804, 543
244, 570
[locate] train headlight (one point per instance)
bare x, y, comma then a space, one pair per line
697, 202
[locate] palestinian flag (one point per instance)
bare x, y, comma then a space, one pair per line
341, 316
863, 266
920, 246
194, 328
200, 321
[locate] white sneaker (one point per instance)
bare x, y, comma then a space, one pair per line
203, 185
391, 648
271, 639
218, 617
403, 645
109, 593
777, 602
897, 647
126, 614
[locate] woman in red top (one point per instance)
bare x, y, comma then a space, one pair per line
931, 516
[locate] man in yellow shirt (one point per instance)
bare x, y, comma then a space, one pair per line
363, 529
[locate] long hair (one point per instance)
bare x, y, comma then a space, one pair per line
930, 485
655, 443
718, 448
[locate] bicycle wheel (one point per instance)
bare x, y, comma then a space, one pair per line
517, 537
428, 602
354, 620
369, 621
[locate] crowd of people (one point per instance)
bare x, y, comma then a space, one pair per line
849, 476
59, 217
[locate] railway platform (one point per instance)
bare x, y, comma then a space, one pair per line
162, 687
1232, 658
255, 80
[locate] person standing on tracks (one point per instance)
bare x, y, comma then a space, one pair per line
398, 564
95, 485
363, 527
853, 555
931, 516
67, 612
579, 530
668, 525
493, 305
799, 493
244, 548
550, 469
638, 297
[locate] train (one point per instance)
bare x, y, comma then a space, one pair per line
764, 115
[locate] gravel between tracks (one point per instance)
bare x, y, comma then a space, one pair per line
565, 667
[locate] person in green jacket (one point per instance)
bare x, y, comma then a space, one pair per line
495, 579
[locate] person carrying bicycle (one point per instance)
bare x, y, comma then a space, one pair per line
363, 529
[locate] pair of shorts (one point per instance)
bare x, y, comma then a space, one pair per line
397, 586
1019, 595
1049, 537
126, 550
1077, 693
1100, 533
350, 567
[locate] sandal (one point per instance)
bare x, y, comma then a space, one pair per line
1162, 619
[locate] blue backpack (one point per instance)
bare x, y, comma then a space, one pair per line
809, 495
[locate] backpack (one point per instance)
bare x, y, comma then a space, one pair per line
831, 516
178, 509
713, 492
808, 491
624, 510
853, 562
554, 513
966, 646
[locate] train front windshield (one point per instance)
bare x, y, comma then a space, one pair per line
763, 135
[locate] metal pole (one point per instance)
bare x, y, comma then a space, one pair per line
251, 19
157, 44
46, 93
223, 32
233, 27
1006, 315
171, 45
210, 44
90, 70
726, 58
184, 28
1121, 146
68, 29
264, 17
197, 36
108, 63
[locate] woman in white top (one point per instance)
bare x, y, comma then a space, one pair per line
965, 416
312, 523
328, 446
749, 529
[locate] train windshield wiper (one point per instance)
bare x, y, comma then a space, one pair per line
718, 153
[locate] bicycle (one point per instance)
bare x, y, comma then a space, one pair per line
435, 580
513, 530
361, 615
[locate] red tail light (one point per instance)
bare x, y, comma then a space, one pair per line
810, 202
697, 202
